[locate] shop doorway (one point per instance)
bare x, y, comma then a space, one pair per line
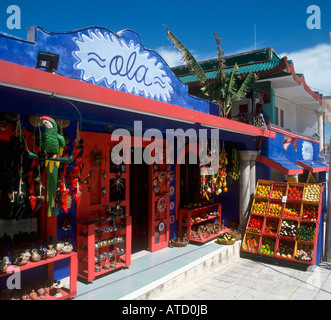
139, 200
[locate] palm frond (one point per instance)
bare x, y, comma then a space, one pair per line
188, 58
246, 85
231, 89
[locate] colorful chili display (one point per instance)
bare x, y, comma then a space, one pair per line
291, 211
275, 209
260, 207
288, 228
307, 232
263, 191
295, 193
255, 224
309, 213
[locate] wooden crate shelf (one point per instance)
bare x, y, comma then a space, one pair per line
298, 200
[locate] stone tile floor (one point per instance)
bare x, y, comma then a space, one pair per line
246, 279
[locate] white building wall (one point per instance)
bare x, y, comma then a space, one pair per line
307, 122
298, 118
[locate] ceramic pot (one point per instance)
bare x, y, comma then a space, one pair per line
34, 295
25, 297
57, 287
51, 252
67, 248
35, 256
41, 292
3, 264
27, 254
59, 246
21, 260
48, 286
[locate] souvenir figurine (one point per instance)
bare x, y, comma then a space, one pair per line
3, 264
67, 248
52, 143
51, 251
35, 256
59, 246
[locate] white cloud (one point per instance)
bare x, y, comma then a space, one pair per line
171, 56
315, 64
174, 58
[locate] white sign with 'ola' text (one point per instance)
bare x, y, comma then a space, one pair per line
105, 57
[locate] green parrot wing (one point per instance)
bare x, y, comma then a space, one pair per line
61, 141
42, 142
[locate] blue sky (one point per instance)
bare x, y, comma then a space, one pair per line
279, 24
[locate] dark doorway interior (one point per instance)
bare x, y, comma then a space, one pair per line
189, 182
139, 206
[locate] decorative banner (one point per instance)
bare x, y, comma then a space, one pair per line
104, 57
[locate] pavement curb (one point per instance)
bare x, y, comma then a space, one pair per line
186, 274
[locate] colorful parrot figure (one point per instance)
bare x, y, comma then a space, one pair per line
52, 143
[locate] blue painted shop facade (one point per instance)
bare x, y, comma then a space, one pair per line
103, 82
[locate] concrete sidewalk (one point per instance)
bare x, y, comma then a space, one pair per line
246, 279
153, 274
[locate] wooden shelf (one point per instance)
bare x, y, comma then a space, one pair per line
30, 264
86, 262
66, 293
186, 213
211, 237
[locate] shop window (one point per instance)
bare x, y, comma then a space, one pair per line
243, 113
279, 117
18, 222
189, 182
282, 118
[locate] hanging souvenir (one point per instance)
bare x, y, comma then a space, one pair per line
117, 209
103, 191
161, 226
78, 194
118, 183
52, 144
171, 175
235, 164
19, 189
162, 177
65, 222
161, 204
222, 170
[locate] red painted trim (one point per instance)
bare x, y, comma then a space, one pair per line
313, 170
291, 134
270, 163
301, 81
33, 79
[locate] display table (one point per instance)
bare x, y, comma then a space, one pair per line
201, 224
66, 293
284, 221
